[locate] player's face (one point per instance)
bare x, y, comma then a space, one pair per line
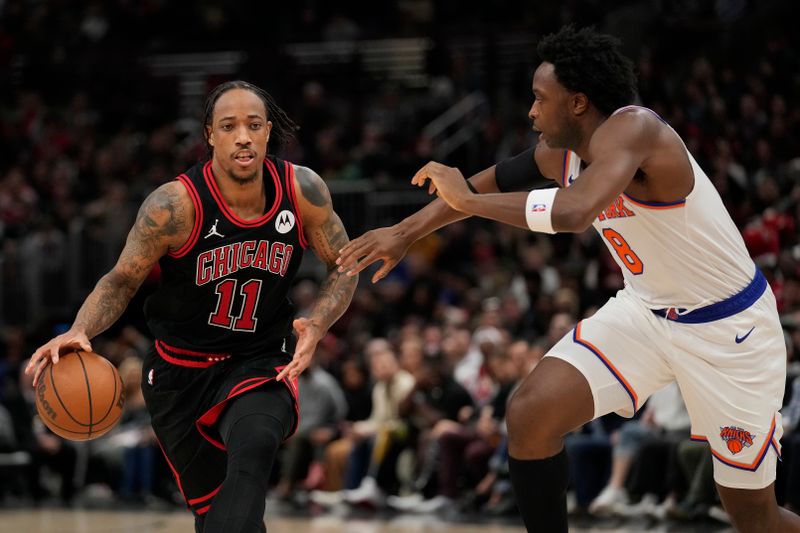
550, 109
239, 132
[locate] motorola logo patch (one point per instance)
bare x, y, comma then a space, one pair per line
284, 222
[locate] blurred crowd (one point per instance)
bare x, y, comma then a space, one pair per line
404, 406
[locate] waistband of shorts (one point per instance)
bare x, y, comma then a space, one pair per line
717, 311
190, 358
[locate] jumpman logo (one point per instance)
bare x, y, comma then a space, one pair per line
213, 231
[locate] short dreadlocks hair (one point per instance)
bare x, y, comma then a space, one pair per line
591, 63
283, 127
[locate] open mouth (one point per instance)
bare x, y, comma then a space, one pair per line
244, 158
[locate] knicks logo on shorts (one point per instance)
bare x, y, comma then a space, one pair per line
736, 438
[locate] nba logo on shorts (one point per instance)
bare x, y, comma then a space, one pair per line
150, 377
736, 438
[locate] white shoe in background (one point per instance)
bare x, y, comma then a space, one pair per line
326, 498
434, 505
405, 503
647, 506
367, 492
608, 501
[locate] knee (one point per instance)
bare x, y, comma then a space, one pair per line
528, 420
752, 511
254, 444
754, 518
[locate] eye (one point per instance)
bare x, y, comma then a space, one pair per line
255, 126
226, 127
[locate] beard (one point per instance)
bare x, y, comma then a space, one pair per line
568, 136
244, 180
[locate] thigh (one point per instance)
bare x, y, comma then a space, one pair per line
620, 351
733, 391
175, 396
271, 400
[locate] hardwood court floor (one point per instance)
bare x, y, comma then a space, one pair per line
110, 521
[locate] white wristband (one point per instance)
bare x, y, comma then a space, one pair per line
539, 210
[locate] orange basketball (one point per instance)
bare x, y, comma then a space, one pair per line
734, 446
81, 397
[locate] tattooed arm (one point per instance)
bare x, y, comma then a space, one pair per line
326, 236
163, 223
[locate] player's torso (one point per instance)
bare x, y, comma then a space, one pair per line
226, 288
685, 254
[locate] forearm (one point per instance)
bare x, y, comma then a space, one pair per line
332, 300
438, 214
105, 304
508, 208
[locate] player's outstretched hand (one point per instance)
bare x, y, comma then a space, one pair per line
447, 182
70, 340
307, 338
382, 244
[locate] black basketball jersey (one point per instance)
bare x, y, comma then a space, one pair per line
226, 290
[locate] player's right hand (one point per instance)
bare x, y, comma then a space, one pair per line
382, 244
70, 340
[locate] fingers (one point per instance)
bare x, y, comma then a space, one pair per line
54, 354
300, 324
385, 269
292, 371
364, 263
32, 362
421, 175
41, 365
349, 256
283, 373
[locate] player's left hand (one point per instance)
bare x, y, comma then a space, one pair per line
307, 338
447, 182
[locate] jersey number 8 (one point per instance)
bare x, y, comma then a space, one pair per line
626, 255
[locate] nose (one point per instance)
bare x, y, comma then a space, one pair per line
533, 112
243, 136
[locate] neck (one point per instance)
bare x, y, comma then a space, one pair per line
238, 192
586, 130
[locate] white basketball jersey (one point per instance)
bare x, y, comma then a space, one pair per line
685, 254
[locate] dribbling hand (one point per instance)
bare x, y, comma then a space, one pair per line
70, 340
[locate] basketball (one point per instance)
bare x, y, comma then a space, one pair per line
81, 397
734, 446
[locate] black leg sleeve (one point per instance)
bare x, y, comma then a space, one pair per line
540, 487
252, 427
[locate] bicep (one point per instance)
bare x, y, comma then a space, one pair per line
607, 177
323, 228
161, 224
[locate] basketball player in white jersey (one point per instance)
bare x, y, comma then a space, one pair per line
695, 308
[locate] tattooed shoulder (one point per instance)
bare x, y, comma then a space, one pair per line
166, 215
312, 186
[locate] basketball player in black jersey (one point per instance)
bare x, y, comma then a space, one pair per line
220, 380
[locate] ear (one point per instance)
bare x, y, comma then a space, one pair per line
209, 136
269, 128
580, 103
